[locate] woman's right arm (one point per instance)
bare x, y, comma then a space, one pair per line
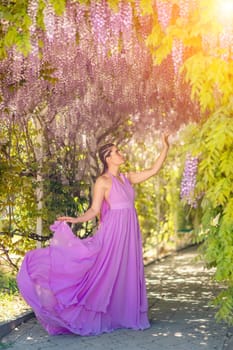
94, 210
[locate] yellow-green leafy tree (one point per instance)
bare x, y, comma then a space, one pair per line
198, 35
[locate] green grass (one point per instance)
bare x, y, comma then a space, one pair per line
8, 283
5, 345
12, 304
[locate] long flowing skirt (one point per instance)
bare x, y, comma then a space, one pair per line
92, 285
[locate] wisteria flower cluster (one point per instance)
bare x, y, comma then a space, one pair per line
83, 68
188, 182
164, 10
177, 55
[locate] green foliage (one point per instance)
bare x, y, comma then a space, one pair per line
17, 191
146, 6
46, 73
58, 5
16, 29
145, 205
210, 71
224, 302
8, 283
40, 17
11, 303
63, 193
205, 73
214, 145
114, 4
15, 32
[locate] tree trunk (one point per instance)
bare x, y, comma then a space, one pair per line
39, 179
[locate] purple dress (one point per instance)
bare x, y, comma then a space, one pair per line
93, 285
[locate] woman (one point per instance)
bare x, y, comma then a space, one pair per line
97, 284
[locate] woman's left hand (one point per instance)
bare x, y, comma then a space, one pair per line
67, 219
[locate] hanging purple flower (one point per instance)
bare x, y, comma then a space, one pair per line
188, 182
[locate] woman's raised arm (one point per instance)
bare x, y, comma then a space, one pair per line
137, 177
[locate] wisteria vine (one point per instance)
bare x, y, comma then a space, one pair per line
188, 182
89, 68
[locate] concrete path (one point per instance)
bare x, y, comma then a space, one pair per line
179, 291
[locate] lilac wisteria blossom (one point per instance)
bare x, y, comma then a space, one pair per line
188, 182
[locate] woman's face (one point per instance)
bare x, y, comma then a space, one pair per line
115, 156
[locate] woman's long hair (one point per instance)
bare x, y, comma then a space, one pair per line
105, 152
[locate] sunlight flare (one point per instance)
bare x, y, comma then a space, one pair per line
225, 10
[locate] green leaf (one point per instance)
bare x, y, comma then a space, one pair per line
58, 5
23, 43
40, 15
146, 6
10, 37
114, 5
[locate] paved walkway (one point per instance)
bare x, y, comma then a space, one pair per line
179, 291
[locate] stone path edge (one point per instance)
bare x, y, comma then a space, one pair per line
7, 327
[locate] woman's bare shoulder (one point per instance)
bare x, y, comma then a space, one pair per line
103, 180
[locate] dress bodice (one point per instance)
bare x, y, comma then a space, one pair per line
121, 195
